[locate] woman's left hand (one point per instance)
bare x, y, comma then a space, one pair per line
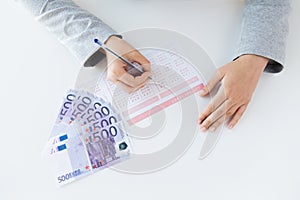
238, 82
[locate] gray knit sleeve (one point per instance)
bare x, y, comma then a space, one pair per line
74, 27
264, 31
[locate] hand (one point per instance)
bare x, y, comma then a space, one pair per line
116, 71
238, 82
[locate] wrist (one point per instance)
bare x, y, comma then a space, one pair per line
255, 61
114, 43
112, 40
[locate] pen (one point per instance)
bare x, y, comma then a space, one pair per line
118, 56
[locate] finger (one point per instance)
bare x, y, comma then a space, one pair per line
142, 60
211, 84
237, 116
132, 81
214, 116
127, 88
115, 70
222, 119
217, 100
217, 123
231, 111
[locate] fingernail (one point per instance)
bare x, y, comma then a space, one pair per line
230, 126
202, 92
199, 121
203, 129
201, 117
212, 129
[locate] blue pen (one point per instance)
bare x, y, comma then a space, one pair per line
118, 56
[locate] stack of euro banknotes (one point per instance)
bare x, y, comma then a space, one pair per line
88, 136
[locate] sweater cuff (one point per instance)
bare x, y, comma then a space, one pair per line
273, 66
264, 31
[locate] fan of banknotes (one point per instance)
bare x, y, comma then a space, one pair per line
87, 136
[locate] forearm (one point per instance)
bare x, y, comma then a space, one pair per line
264, 31
74, 27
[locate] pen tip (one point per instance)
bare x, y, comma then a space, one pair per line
97, 41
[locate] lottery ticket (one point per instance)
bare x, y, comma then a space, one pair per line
173, 79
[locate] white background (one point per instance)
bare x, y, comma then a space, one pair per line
259, 159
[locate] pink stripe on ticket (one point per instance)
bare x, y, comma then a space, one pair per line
165, 104
140, 117
191, 91
179, 87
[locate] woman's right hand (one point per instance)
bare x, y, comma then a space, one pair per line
117, 72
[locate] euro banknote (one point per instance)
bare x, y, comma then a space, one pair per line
88, 136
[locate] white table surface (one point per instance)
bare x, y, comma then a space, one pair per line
259, 159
